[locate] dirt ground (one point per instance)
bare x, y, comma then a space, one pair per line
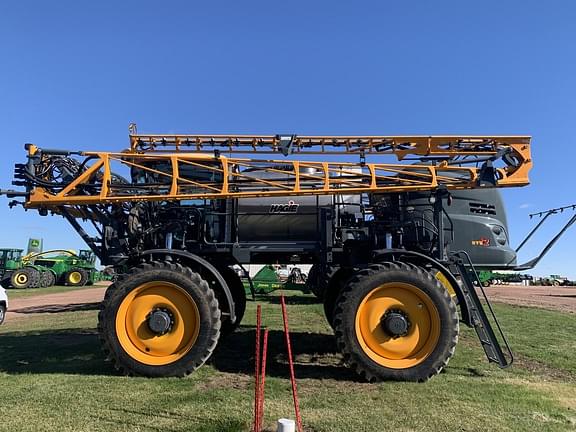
546, 297
52, 303
555, 298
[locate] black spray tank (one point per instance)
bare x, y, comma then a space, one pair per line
287, 219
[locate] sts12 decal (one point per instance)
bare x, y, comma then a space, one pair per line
481, 242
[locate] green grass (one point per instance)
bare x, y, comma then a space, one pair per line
55, 379
32, 292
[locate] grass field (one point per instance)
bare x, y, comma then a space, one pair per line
53, 378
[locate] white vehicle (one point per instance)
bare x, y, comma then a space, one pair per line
3, 304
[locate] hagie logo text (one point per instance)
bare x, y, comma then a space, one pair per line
291, 207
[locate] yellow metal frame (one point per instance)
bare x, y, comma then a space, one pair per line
401, 146
236, 178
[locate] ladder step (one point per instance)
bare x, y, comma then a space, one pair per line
479, 319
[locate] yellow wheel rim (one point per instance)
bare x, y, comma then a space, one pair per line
404, 351
21, 278
75, 277
445, 283
139, 341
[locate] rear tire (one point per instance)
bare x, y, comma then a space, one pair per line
27, 277
2, 313
396, 322
185, 304
317, 281
76, 277
238, 295
335, 286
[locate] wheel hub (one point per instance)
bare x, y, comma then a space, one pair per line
160, 321
395, 323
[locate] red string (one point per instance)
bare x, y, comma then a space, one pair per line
262, 381
257, 369
291, 364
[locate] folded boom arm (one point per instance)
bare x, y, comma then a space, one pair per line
186, 167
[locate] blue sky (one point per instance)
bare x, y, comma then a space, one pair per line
74, 74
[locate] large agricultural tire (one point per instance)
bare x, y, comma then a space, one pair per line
159, 320
238, 295
312, 280
5, 279
27, 277
396, 322
76, 277
47, 279
335, 286
317, 281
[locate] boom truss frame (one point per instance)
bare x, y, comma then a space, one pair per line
400, 146
170, 159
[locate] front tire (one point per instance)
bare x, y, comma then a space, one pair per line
2, 313
396, 322
160, 320
27, 277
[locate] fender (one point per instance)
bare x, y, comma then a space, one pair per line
199, 261
410, 256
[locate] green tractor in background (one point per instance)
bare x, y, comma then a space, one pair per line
10, 261
62, 267
40, 269
488, 278
556, 280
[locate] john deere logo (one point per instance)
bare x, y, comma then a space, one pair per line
291, 207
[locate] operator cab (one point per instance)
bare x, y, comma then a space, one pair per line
479, 218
